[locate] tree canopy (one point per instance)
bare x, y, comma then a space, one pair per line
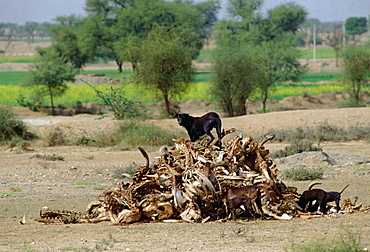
166, 63
356, 66
50, 75
356, 26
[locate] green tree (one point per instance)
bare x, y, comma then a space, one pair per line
166, 63
128, 21
356, 65
280, 60
238, 71
356, 26
285, 18
66, 36
50, 75
245, 10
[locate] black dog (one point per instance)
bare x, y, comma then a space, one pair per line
198, 126
321, 197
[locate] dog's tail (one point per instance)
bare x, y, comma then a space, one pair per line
344, 189
312, 185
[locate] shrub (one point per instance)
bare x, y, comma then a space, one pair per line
133, 133
117, 102
298, 146
349, 242
32, 101
322, 132
19, 143
142, 133
53, 157
11, 128
84, 140
301, 174
128, 169
56, 137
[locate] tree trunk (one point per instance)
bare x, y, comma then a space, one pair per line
119, 64
336, 52
51, 101
166, 104
264, 99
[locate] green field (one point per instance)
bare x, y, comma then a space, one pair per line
18, 59
321, 53
10, 87
83, 93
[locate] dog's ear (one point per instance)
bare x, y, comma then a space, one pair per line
176, 116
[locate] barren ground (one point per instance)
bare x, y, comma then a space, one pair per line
26, 185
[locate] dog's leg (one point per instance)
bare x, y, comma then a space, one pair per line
338, 206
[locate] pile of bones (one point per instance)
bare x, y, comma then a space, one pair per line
191, 182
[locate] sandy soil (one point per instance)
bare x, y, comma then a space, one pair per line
28, 184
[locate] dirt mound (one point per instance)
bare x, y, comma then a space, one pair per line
95, 79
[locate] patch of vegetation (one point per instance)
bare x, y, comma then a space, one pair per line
81, 183
100, 187
315, 77
68, 248
19, 59
302, 174
15, 189
297, 146
129, 170
349, 242
12, 78
142, 133
53, 157
12, 128
116, 100
85, 141
56, 137
321, 53
322, 132
19, 143
352, 103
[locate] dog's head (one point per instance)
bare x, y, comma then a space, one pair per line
183, 119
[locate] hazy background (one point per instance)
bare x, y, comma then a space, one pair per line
21, 11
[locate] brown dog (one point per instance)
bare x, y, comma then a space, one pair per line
235, 203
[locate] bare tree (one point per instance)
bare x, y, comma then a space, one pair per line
334, 39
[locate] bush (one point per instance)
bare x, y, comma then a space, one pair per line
32, 101
301, 174
53, 157
117, 102
349, 242
20, 143
133, 133
298, 146
56, 137
142, 133
118, 172
11, 128
322, 132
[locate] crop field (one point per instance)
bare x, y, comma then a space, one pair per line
11, 84
197, 91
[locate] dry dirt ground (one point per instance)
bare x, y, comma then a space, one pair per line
28, 184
